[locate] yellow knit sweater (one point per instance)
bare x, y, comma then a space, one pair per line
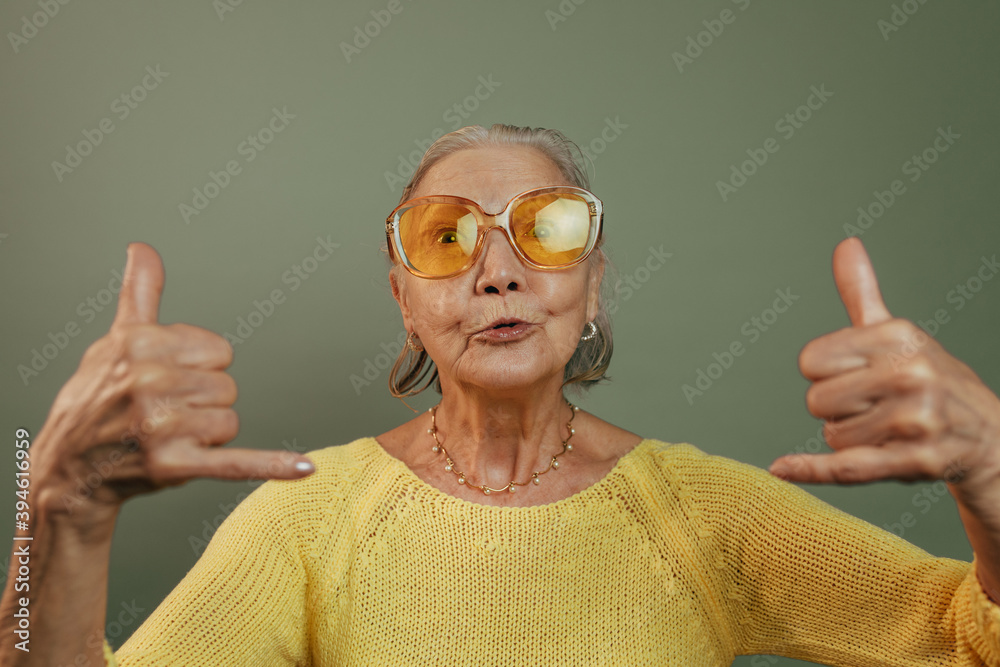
676, 557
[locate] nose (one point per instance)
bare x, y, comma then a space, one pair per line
499, 268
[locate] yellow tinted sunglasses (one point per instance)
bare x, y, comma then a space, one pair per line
439, 236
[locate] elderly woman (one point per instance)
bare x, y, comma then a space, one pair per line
505, 526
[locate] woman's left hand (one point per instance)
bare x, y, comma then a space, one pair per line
896, 404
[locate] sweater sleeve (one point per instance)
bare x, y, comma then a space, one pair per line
243, 602
802, 579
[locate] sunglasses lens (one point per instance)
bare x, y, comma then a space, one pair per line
438, 238
553, 229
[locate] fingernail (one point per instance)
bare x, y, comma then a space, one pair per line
305, 466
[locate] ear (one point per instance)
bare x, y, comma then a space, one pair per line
398, 284
594, 286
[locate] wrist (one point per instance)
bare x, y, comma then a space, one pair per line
64, 509
976, 484
68, 500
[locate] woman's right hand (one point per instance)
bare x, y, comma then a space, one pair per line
146, 409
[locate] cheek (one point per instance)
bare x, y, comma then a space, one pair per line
437, 306
561, 294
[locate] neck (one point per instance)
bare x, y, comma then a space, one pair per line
495, 440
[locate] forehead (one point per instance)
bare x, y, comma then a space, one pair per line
490, 176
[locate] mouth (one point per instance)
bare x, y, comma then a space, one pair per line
505, 329
508, 323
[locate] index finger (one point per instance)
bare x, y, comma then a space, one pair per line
192, 460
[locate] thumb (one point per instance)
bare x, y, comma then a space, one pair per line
856, 283
142, 285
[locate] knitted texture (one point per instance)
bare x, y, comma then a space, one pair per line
676, 557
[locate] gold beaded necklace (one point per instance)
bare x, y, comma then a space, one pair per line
450, 467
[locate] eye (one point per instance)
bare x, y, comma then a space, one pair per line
450, 236
541, 231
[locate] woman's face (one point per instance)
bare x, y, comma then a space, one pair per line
501, 324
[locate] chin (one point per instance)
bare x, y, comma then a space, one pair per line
510, 373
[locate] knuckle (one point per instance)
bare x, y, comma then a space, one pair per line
909, 429
928, 416
916, 374
96, 350
141, 341
118, 359
917, 422
927, 462
150, 422
921, 368
158, 467
899, 329
147, 377
846, 473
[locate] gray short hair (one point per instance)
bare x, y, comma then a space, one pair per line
589, 364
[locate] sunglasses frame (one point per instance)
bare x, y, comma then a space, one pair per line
501, 220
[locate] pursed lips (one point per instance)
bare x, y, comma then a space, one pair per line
505, 322
503, 328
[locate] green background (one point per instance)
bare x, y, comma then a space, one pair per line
324, 175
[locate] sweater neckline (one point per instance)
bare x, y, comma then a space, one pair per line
454, 502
